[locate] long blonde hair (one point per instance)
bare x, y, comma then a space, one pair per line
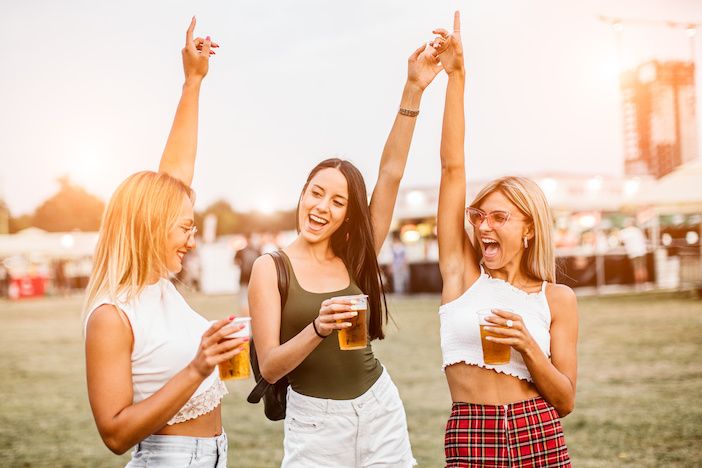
131, 246
539, 260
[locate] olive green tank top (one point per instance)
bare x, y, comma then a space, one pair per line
327, 372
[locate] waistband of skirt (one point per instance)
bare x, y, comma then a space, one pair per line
184, 443
376, 393
532, 405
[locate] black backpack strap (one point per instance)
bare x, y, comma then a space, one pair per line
282, 273
258, 391
283, 280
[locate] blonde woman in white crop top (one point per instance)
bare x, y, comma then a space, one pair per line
150, 358
503, 415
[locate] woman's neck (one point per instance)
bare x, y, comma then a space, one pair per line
319, 251
512, 274
153, 279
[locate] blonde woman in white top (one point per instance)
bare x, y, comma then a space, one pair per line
503, 414
150, 358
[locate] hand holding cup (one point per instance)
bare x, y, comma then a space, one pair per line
507, 328
215, 347
334, 314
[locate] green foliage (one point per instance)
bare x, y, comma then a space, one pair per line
70, 208
230, 221
21, 222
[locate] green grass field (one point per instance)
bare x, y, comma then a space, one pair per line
639, 385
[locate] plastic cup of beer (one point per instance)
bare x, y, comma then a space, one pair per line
238, 367
493, 353
355, 336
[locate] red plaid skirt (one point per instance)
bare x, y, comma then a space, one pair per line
525, 434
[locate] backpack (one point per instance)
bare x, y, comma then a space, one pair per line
274, 395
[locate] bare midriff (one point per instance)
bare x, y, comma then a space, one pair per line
207, 425
473, 384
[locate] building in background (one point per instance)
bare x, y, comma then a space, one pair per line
660, 126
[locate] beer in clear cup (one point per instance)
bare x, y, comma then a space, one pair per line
355, 336
493, 353
238, 367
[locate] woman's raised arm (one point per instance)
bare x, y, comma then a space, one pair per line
457, 256
422, 67
178, 159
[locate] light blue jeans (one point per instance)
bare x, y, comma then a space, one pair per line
180, 451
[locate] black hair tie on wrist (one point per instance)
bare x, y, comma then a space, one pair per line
314, 325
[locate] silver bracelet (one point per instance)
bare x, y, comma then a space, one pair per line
408, 112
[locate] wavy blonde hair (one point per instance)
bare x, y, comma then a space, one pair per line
131, 245
539, 260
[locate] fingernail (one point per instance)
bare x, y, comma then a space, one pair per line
231, 317
246, 338
487, 328
354, 314
207, 38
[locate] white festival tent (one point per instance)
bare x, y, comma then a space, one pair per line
677, 192
36, 243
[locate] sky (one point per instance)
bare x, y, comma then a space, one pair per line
89, 89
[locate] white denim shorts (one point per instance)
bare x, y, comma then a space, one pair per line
368, 431
166, 451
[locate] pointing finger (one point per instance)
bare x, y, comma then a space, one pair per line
189, 33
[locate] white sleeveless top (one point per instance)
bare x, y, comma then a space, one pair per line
460, 332
167, 334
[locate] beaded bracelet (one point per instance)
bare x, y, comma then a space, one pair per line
408, 112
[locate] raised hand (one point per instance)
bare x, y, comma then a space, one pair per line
449, 47
196, 54
422, 66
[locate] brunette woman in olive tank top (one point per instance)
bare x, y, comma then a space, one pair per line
343, 409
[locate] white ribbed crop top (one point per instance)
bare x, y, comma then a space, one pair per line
460, 332
167, 334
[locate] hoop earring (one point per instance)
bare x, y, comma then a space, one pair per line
526, 244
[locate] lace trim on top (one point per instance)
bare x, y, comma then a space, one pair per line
502, 369
201, 404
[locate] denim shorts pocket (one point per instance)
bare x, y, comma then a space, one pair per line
305, 424
166, 458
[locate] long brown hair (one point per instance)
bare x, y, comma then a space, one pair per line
354, 242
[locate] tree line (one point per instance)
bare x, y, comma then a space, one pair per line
73, 208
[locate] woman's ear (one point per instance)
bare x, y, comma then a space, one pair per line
528, 232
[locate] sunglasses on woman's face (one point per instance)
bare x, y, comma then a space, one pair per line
495, 219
